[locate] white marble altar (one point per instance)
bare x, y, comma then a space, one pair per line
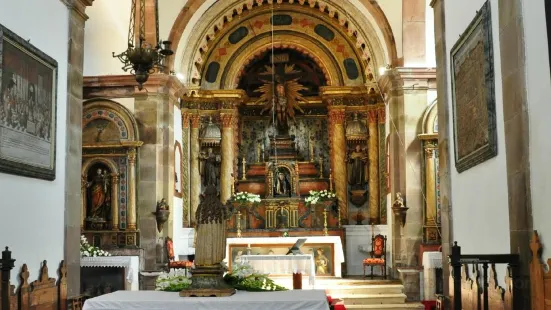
431, 261
358, 246
335, 240
283, 264
131, 265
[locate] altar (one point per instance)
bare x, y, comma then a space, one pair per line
105, 274
325, 249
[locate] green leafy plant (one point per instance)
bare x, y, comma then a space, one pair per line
244, 277
173, 281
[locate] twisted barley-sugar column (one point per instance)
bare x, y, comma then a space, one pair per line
226, 149
430, 187
186, 216
338, 151
194, 174
131, 206
373, 156
115, 201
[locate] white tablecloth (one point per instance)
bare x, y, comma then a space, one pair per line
431, 261
154, 300
129, 263
283, 264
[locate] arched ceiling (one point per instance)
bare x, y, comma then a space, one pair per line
201, 21
219, 63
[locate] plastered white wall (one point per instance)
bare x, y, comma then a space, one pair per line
429, 26
479, 199
33, 210
538, 88
106, 32
393, 13
168, 12
177, 209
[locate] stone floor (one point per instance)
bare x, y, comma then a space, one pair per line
359, 293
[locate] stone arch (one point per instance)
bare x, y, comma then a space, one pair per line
113, 112
430, 119
106, 161
375, 26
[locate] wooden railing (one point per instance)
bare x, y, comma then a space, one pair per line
474, 281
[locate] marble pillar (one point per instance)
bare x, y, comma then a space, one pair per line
226, 150
338, 151
195, 176
373, 156
73, 218
115, 202
131, 206
430, 185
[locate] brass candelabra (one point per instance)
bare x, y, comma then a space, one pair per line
238, 224
325, 231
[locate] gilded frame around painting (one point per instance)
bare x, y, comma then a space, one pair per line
473, 93
28, 106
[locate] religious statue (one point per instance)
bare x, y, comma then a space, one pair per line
282, 185
207, 276
321, 262
99, 194
399, 201
281, 98
209, 169
357, 166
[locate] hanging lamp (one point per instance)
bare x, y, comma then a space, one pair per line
140, 58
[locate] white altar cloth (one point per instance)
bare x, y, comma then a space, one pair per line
431, 261
335, 240
283, 264
155, 300
131, 264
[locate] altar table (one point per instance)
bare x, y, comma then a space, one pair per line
335, 240
156, 300
283, 264
129, 263
431, 262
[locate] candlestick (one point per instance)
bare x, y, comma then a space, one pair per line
330, 180
325, 232
311, 143
243, 174
321, 167
238, 224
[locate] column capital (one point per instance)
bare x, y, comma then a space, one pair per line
227, 120
195, 120
337, 116
381, 114
185, 119
78, 6
132, 156
372, 116
429, 152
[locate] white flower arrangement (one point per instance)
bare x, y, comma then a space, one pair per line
173, 281
87, 250
317, 196
246, 197
244, 277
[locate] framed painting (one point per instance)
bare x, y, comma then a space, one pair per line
473, 94
28, 85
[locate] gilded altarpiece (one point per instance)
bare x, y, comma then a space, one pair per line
110, 146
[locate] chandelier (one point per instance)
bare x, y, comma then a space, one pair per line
140, 58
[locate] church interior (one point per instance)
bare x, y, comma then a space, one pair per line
382, 154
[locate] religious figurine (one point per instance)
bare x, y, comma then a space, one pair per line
207, 275
399, 201
282, 185
285, 95
99, 195
210, 168
162, 205
357, 166
321, 262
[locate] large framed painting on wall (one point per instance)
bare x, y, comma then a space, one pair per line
473, 94
28, 84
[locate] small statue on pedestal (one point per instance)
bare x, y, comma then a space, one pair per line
207, 276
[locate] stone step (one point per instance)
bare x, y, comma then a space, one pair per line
370, 299
386, 306
338, 290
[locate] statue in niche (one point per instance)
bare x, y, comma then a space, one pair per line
357, 167
282, 184
281, 97
209, 169
99, 195
282, 218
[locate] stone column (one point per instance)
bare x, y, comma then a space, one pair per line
131, 205
430, 185
383, 185
73, 145
115, 201
338, 151
186, 218
373, 155
226, 150
195, 176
